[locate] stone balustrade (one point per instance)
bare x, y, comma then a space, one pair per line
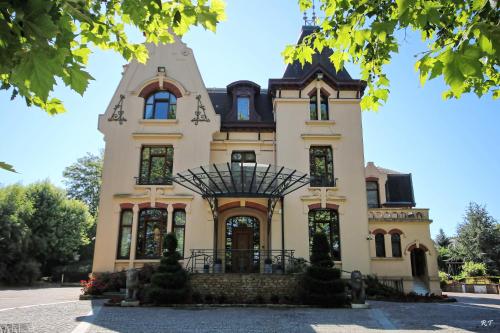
398, 214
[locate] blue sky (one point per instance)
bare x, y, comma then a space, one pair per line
451, 147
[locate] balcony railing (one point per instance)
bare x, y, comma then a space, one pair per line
398, 214
241, 261
322, 181
153, 181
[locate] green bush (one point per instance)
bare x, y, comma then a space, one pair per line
472, 269
170, 282
374, 288
321, 284
443, 279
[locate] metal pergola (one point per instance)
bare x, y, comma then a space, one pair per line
244, 180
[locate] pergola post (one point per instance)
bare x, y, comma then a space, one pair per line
215, 214
282, 204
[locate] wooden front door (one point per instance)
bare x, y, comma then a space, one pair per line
242, 254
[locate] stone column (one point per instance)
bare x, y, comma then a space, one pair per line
170, 217
133, 241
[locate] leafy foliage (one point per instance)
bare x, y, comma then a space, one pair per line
442, 240
39, 229
472, 269
170, 283
478, 238
41, 40
7, 167
463, 42
321, 284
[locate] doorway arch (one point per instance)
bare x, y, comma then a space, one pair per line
418, 263
242, 244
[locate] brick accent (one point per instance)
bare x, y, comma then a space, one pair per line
314, 206
371, 179
414, 246
155, 86
229, 205
245, 288
126, 205
379, 231
161, 205
179, 205
332, 206
256, 206
395, 231
145, 205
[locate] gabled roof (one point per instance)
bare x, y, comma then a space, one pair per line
297, 75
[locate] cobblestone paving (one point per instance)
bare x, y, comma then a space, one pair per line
58, 311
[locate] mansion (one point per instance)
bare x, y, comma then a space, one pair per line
244, 176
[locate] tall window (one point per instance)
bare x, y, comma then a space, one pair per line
396, 245
243, 108
160, 105
313, 107
321, 166
379, 245
156, 165
125, 234
326, 221
324, 107
179, 229
372, 195
321, 105
150, 232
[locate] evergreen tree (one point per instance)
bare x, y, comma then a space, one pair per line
442, 240
170, 283
321, 284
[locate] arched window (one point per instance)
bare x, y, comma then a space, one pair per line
313, 107
326, 221
160, 105
125, 234
321, 106
396, 245
324, 107
379, 245
150, 232
179, 229
372, 195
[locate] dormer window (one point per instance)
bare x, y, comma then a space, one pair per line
160, 105
321, 105
243, 108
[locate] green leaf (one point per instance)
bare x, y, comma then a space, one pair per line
7, 167
486, 45
338, 59
478, 4
79, 79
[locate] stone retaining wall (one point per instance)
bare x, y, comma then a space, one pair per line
472, 288
247, 288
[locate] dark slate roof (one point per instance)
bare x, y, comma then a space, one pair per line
297, 75
296, 71
222, 103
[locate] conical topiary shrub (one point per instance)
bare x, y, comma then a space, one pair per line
321, 284
170, 283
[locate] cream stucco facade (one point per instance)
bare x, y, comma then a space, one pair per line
279, 131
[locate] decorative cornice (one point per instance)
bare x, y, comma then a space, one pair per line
310, 136
143, 135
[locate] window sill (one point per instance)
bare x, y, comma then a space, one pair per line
320, 122
162, 122
388, 258
167, 187
328, 188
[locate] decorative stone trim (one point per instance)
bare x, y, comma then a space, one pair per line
179, 206
145, 205
379, 231
155, 86
395, 231
126, 205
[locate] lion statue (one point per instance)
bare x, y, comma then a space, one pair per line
132, 284
357, 288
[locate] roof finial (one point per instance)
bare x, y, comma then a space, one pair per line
314, 13
305, 18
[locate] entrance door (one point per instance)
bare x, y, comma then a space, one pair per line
242, 250
418, 263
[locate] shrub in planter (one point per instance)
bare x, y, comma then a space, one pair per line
375, 289
170, 283
321, 284
472, 269
92, 286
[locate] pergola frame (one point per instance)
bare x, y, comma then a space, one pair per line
243, 180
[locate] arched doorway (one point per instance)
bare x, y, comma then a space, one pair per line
242, 244
418, 263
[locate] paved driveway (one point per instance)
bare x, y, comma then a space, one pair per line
57, 310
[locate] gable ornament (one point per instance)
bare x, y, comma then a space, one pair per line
118, 112
200, 114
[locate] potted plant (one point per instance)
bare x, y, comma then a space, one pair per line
268, 266
218, 265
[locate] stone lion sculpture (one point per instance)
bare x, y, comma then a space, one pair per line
132, 284
357, 288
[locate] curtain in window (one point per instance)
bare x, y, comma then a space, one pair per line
125, 234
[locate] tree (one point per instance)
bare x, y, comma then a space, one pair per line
321, 284
58, 225
44, 40
41, 41
16, 266
463, 42
83, 180
478, 238
170, 283
442, 240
